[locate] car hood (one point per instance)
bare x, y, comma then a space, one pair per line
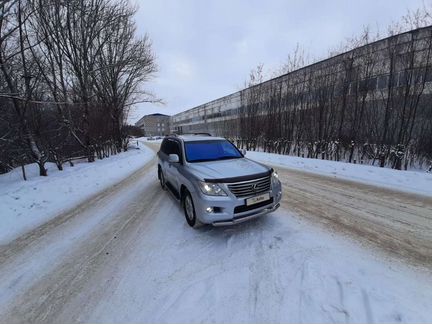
228, 170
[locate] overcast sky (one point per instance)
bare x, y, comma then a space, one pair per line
205, 49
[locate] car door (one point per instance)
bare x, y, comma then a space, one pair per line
165, 150
173, 168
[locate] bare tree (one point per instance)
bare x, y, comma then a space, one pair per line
17, 69
69, 72
124, 64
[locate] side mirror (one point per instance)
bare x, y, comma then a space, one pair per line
173, 158
243, 151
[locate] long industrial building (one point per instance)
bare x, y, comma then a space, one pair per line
381, 73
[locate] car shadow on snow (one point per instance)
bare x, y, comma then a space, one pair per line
267, 225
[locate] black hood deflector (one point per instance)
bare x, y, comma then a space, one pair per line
242, 178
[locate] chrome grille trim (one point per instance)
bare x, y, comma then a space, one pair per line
246, 188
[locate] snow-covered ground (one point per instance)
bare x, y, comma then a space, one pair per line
131, 257
276, 269
27, 204
409, 181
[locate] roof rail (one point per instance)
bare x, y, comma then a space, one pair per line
202, 134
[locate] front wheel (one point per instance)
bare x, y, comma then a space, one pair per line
189, 210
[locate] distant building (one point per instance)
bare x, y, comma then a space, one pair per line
154, 124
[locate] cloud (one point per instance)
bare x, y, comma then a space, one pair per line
205, 49
183, 70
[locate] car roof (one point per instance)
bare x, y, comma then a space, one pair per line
194, 138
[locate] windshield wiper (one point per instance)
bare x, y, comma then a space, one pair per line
216, 159
201, 160
228, 157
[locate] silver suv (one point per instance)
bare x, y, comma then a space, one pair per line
214, 182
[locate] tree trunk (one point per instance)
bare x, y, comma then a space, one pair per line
42, 170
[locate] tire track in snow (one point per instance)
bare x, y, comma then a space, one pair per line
398, 223
44, 296
28, 239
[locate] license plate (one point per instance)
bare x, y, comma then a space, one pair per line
257, 199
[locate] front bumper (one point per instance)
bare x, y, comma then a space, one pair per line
241, 219
226, 208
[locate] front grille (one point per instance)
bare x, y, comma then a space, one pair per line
251, 187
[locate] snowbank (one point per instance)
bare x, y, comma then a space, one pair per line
28, 204
407, 181
147, 139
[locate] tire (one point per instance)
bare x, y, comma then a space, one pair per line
189, 210
161, 179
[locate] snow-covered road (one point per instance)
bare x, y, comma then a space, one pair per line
399, 223
127, 255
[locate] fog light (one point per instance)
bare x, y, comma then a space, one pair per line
209, 209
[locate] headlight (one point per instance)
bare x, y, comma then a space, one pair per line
211, 189
275, 178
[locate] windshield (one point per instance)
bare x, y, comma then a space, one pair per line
200, 151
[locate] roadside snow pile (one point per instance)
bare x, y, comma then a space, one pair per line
407, 181
28, 204
150, 139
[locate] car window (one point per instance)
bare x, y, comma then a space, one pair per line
170, 146
229, 150
164, 146
200, 151
176, 148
